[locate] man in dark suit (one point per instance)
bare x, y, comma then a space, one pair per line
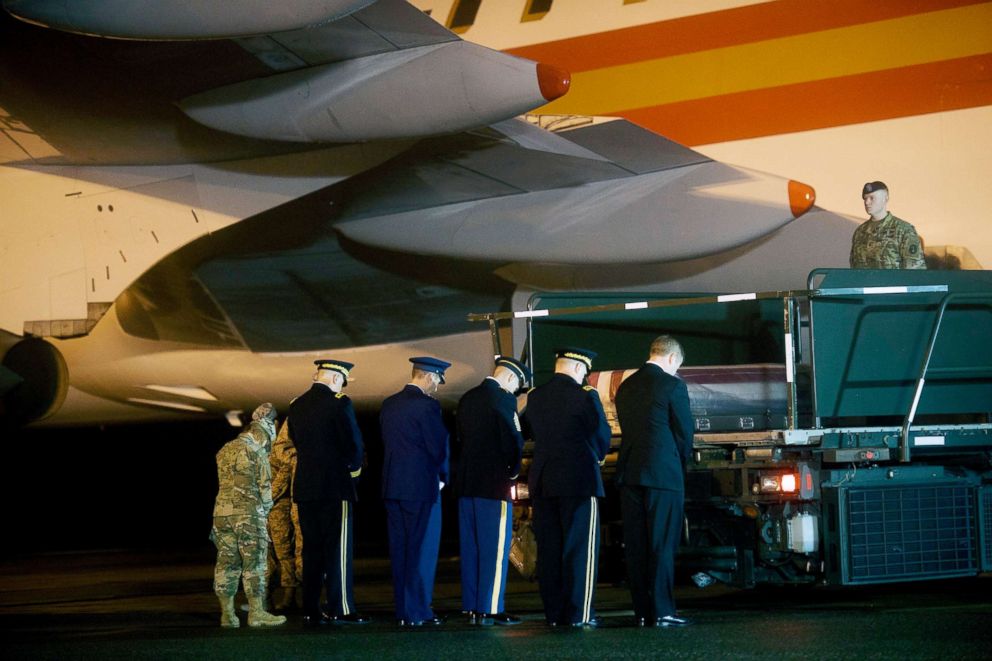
491, 445
571, 439
415, 469
329, 455
656, 425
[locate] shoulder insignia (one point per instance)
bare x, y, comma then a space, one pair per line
339, 395
588, 388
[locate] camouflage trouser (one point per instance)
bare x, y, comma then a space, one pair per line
242, 550
287, 542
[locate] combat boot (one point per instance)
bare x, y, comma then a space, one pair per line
287, 600
228, 617
259, 617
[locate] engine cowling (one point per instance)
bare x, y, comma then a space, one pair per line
34, 381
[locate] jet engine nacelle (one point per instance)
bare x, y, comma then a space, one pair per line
34, 380
180, 19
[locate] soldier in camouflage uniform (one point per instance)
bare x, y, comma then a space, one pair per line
284, 520
884, 241
244, 498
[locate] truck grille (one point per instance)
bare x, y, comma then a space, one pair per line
985, 511
910, 533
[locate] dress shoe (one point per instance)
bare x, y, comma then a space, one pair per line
502, 619
409, 623
672, 621
591, 623
319, 620
351, 618
471, 617
436, 621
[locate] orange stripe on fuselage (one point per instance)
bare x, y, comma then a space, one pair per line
904, 92
730, 27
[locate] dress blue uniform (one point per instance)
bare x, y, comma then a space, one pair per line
654, 414
415, 464
329, 453
491, 447
571, 438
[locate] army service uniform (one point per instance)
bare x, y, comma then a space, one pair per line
571, 438
329, 450
889, 243
489, 433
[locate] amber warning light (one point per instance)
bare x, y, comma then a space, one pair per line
777, 483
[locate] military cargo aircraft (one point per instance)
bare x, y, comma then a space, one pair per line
199, 198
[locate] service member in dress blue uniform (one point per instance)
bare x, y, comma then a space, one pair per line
414, 471
571, 439
654, 415
329, 455
491, 446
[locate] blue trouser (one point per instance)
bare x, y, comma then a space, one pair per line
652, 530
328, 528
485, 530
567, 532
414, 540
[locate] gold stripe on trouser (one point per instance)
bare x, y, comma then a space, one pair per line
344, 558
498, 580
590, 560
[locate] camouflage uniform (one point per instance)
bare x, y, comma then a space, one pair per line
889, 243
284, 519
244, 499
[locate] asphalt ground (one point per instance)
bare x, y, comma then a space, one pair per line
159, 605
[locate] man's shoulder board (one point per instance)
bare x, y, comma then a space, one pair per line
340, 395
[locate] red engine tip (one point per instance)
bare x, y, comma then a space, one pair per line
554, 82
801, 198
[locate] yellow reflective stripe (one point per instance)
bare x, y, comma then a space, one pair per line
344, 558
590, 561
498, 579
356, 473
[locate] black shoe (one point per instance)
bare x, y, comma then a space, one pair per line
351, 618
643, 621
318, 620
436, 621
472, 617
502, 619
409, 623
591, 623
672, 621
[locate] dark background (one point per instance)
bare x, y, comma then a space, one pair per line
149, 486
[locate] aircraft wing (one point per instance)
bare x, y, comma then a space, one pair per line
591, 192
181, 118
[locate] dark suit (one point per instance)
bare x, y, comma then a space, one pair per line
329, 450
656, 424
571, 438
415, 462
491, 445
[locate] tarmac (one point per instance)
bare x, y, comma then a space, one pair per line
159, 605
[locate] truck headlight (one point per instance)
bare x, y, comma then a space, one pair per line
777, 483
